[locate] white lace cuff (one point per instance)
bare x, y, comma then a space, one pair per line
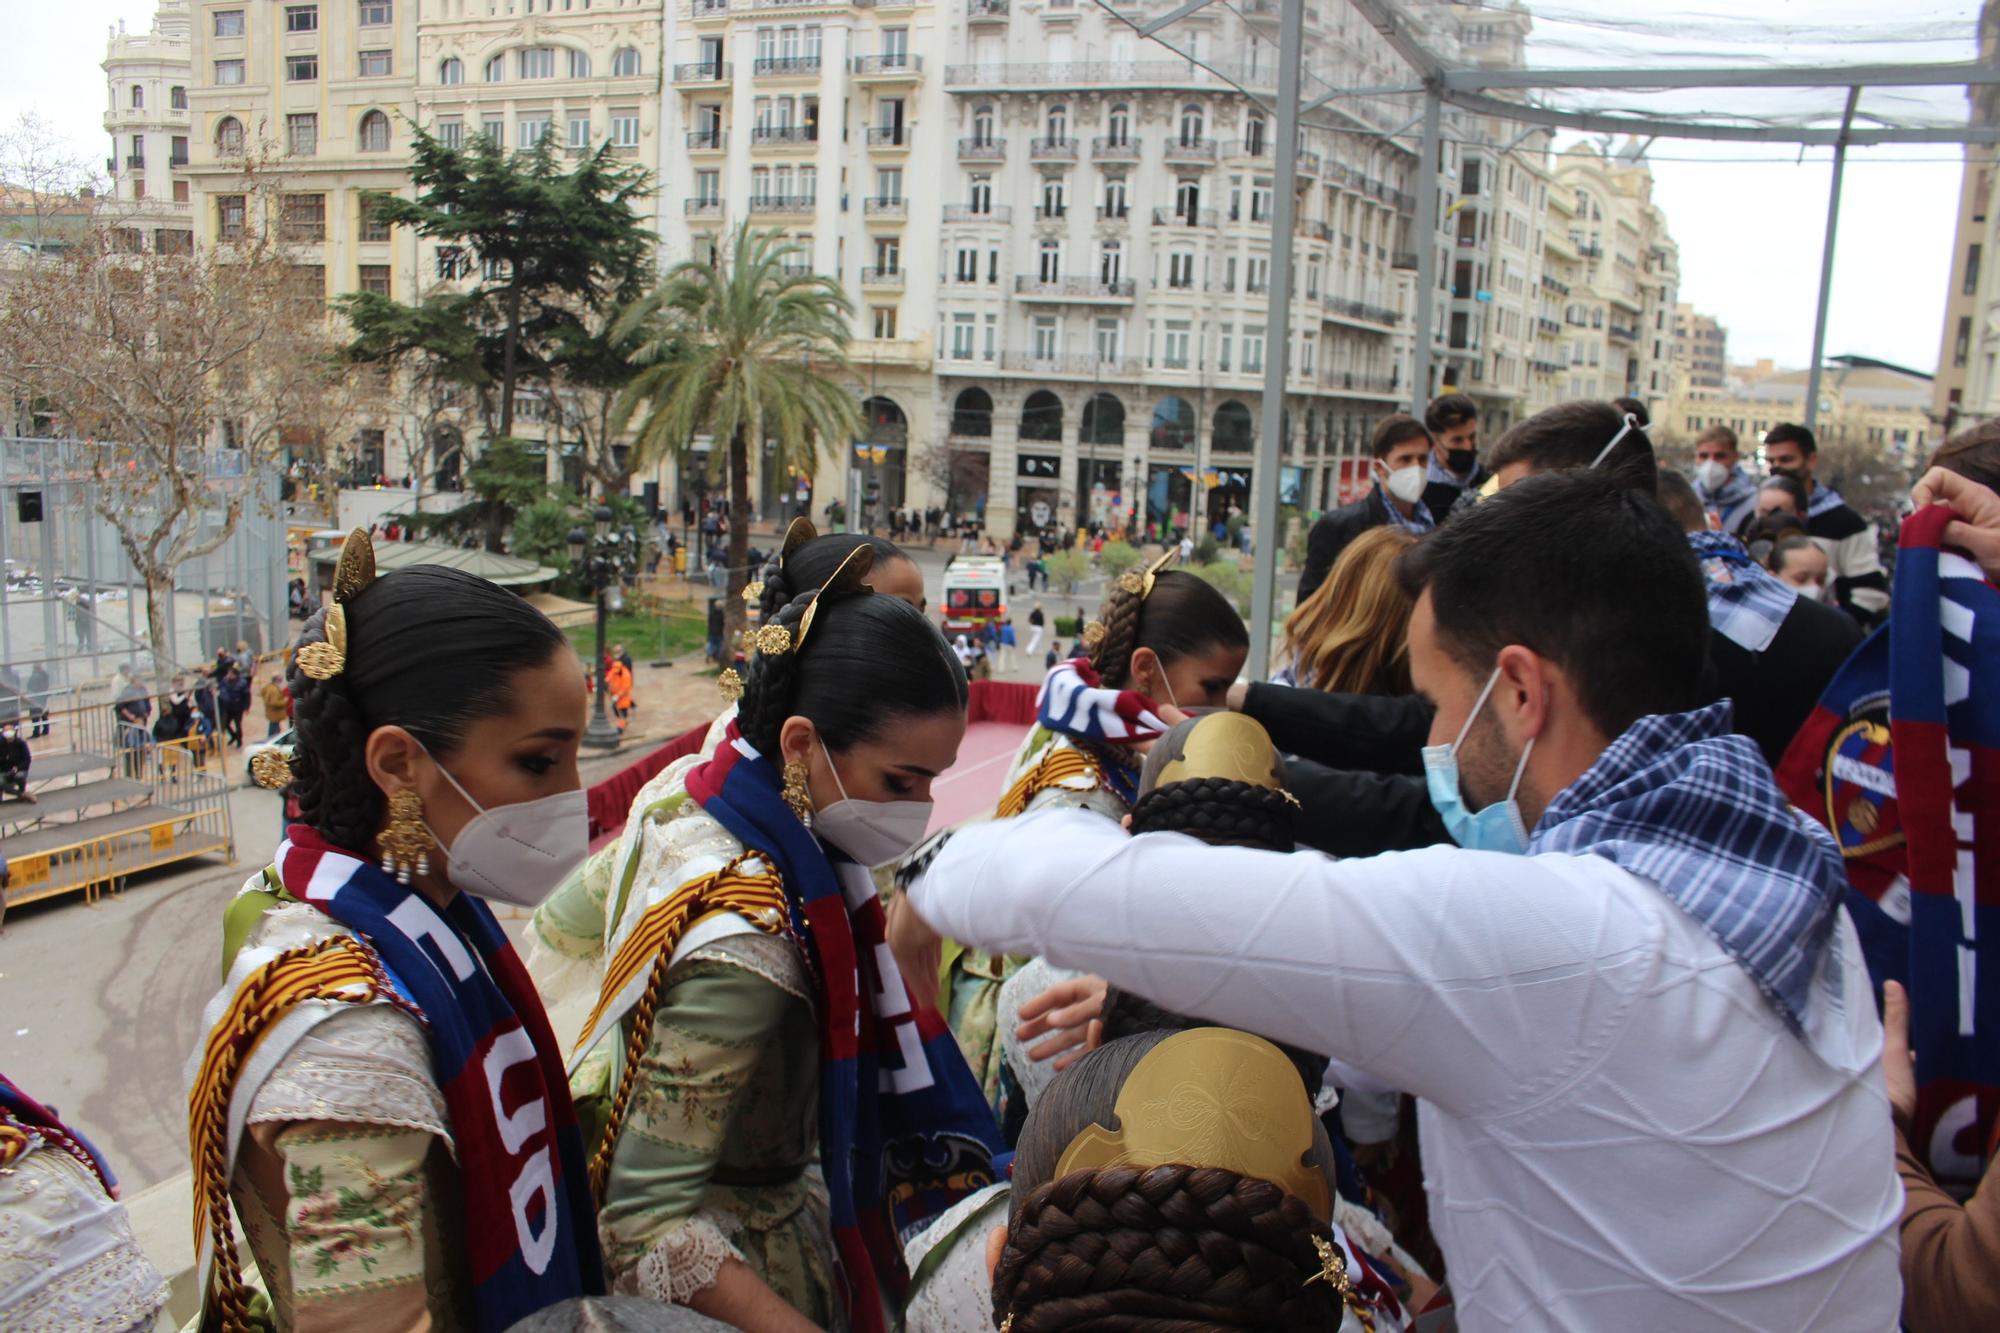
684, 1261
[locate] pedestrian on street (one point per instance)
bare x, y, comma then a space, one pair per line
277, 704
715, 629
15, 759
233, 700
1036, 620
38, 699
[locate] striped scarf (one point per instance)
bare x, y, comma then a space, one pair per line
1691, 809
25, 1122
904, 1132
1075, 703
1746, 603
531, 1237
1823, 498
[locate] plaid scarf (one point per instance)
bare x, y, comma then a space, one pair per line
1902, 761
1074, 703
1732, 501
904, 1131
1746, 603
531, 1238
1690, 808
1823, 498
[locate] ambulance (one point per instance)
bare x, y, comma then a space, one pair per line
975, 591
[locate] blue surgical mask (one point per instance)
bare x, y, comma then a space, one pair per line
1497, 828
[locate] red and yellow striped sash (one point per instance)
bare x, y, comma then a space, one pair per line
1057, 767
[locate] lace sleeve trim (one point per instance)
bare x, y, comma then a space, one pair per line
370, 1065
772, 957
685, 1261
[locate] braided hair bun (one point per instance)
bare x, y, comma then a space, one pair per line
430, 649
811, 564
1221, 811
1182, 616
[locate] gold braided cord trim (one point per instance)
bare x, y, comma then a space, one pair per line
1056, 768
339, 969
757, 897
13, 1142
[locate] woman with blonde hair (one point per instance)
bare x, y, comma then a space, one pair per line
1349, 636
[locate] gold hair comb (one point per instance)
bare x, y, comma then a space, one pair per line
356, 570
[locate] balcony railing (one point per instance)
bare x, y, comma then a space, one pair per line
1086, 364
1039, 149
1184, 217
997, 213
1546, 325
1590, 251
897, 64
783, 203
1121, 149
785, 65
707, 141
1360, 381
1361, 310
1051, 212
1030, 284
1113, 213
986, 11
1622, 332
704, 71
1314, 230
881, 277
1309, 163
135, 161
1555, 285
886, 206
777, 134
1183, 149
700, 207
702, 7
889, 136
982, 150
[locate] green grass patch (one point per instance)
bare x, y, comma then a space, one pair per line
675, 631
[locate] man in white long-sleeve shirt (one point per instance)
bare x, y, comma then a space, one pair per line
1642, 1038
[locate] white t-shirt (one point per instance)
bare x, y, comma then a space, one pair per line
1618, 1130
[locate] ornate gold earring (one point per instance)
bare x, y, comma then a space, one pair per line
405, 842
796, 795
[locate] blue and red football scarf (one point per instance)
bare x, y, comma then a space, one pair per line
24, 1120
1075, 703
531, 1228
904, 1132
1901, 760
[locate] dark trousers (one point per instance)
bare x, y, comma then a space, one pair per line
14, 782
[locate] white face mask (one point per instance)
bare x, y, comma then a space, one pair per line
1710, 474
872, 832
1813, 589
517, 853
1405, 483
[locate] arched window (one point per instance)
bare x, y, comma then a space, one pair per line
538, 62
1253, 136
625, 62
1058, 127
972, 413
138, 97
982, 125
374, 136
451, 70
228, 137
1232, 428
1173, 424
1118, 126
496, 68
1192, 124
885, 422
579, 64
1103, 420
1041, 417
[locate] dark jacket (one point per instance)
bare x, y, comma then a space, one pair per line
14, 755
1369, 733
1441, 496
1345, 813
1776, 689
1331, 534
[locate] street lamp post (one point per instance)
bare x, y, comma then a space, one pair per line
601, 560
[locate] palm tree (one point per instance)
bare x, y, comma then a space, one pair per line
742, 351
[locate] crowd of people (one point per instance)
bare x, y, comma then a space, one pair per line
1477, 969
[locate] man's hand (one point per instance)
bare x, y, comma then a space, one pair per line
1239, 694
918, 950
1976, 527
1071, 1010
1899, 1068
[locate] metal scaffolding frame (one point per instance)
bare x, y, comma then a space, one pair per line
1470, 89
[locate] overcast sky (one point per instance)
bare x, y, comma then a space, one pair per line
1749, 233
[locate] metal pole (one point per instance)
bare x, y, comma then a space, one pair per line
1426, 243
1277, 341
1826, 261
6, 499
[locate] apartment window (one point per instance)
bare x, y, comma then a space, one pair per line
1110, 337
302, 134
579, 64
1260, 201
885, 321
1052, 197
452, 263
1307, 346
1047, 338
451, 71
1058, 124
494, 130
1192, 123
895, 47
579, 132
228, 73
181, 194
625, 129
889, 183
625, 62
1110, 263
377, 64
808, 184
302, 217
375, 279
228, 23
496, 69
376, 13
1253, 136
1180, 269
1224, 345
531, 130
1972, 269
1961, 347
993, 267
707, 184
1179, 335
301, 69
968, 265
373, 226
1114, 198
888, 254
1050, 260
982, 126
451, 133
1256, 274
301, 18
538, 62
1312, 280
981, 195
760, 184
228, 137
1118, 126
990, 343
1253, 348
228, 217
177, 98
962, 334
308, 285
